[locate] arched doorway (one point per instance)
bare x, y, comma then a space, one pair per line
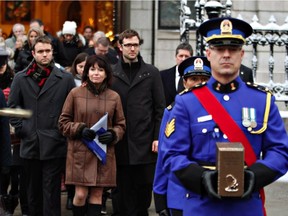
98, 14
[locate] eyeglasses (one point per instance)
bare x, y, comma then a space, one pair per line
128, 45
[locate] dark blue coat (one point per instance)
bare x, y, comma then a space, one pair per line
168, 191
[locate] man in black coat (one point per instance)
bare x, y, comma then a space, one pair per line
172, 82
246, 74
42, 88
140, 88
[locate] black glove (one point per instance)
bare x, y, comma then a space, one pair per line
263, 175
88, 134
107, 137
164, 212
249, 183
209, 180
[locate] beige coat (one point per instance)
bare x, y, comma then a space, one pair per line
83, 108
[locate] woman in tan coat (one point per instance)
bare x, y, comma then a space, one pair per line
84, 106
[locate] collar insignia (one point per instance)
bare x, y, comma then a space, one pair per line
228, 88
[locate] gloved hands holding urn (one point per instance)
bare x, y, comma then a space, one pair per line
209, 180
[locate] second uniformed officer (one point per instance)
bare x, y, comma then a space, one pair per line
225, 110
169, 194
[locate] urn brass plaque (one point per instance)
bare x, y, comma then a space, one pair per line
230, 166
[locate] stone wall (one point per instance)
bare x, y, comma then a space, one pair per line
166, 41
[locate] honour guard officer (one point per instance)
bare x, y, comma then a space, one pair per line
169, 194
224, 110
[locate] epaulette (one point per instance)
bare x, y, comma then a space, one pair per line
198, 86
194, 87
259, 87
170, 106
183, 92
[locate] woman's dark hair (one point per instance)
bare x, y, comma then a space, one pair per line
6, 78
102, 62
79, 58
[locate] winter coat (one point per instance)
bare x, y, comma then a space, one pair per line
143, 104
40, 136
72, 49
83, 108
24, 58
5, 147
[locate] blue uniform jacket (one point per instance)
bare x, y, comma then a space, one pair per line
168, 187
193, 141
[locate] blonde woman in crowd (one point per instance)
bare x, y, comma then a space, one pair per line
24, 56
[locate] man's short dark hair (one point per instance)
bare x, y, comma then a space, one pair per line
184, 46
42, 39
128, 33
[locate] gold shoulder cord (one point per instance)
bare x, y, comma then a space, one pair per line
266, 115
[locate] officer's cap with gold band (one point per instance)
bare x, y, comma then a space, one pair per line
195, 66
225, 31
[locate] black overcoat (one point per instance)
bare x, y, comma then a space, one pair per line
143, 105
40, 136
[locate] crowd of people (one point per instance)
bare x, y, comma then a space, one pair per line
99, 122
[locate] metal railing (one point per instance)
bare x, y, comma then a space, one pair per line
268, 36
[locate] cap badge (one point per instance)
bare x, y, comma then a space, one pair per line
198, 64
226, 27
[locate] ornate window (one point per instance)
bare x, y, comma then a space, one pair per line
169, 12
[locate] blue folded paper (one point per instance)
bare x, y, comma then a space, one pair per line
95, 145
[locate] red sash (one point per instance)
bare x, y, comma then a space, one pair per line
227, 125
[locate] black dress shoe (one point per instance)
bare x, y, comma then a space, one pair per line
69, 203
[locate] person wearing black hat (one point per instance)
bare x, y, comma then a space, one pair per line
194, 70
168, 193
226, 110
